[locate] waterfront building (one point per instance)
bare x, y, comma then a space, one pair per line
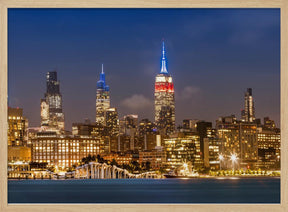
180, 150
198, 158
16, 127
102, 98
269, 149
164, 99
18, 154
248, 115
212, 148
211, 152
51, 106
203, 128
156, 157
238, 138
64, 151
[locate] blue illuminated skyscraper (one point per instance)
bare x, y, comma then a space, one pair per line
102, 98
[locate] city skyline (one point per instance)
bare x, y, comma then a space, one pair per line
194, 97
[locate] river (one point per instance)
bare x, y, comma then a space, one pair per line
198, 190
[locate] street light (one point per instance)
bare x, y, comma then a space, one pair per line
233, 159
220, 159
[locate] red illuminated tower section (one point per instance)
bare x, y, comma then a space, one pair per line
164, 99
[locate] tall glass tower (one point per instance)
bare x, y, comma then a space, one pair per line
51, 106
102, 99
164, 99
249, 112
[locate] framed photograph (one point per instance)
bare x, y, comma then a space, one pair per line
143, 105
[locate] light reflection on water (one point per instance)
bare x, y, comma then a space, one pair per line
177, 190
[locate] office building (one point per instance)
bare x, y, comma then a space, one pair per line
112, 121
202, 129
16, 127
269, 149
180, 150
248, 115
238, 138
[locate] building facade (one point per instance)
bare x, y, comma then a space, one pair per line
102, 98
269, 149
52, 115
248, 115
119, 158
180, 150
156, 158
16, 127
112, 121
164, 99
239, 138
64, 151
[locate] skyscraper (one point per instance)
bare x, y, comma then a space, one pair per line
248, 115
112, 121
102, 99
51, 106
164, 99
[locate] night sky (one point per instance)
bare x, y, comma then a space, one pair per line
213, 55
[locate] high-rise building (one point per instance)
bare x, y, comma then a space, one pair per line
102, 98
146, 127
248, 115
16, 127
112, 121
164, 99
202, 129
238, 138
51, 106
129, 125
269, 149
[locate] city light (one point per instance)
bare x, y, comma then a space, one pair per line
150, 144
221, 157
233, 157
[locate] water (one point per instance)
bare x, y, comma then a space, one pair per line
199, 190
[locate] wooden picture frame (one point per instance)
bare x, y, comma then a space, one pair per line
282, 4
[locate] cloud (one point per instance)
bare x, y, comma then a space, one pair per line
137, 101
188, 92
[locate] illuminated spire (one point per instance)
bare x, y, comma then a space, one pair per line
163, 61
101, 83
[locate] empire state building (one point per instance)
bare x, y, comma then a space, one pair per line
164, 99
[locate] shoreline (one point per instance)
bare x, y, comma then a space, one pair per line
185, 178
